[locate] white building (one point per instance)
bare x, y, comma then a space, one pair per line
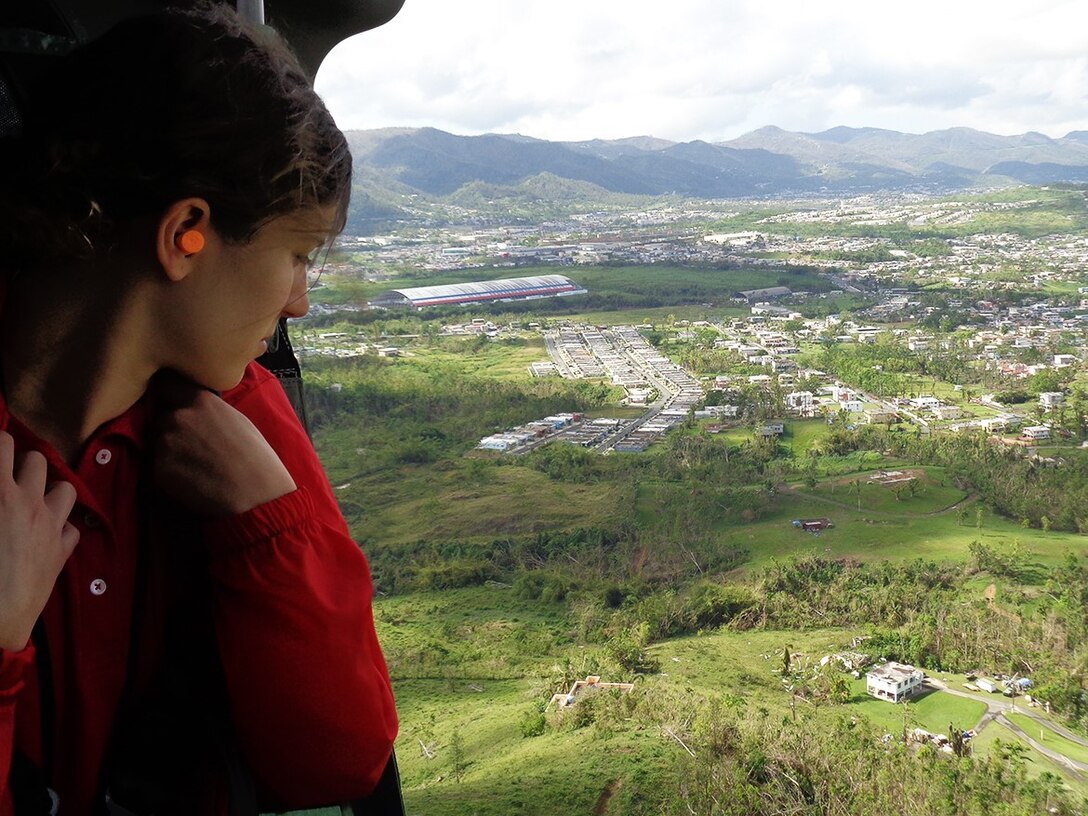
498, 442
1051, 399
841, 393
1036, 432
729, 411
893, 681
800, 400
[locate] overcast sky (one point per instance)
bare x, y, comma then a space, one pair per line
715, 69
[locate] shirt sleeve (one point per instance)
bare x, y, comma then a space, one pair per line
309, 688
13, 666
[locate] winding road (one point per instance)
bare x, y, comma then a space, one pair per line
996, 710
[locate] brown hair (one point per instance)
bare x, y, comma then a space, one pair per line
163, 107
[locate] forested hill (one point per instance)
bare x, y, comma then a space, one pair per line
766, 162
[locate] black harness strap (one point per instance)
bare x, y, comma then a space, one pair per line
386, 800
280, 359
47, 702
30, 794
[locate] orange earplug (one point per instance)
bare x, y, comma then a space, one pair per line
190, 242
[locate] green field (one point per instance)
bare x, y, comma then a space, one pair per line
932, 710
867, 536
492, 659
506, 772
656, 316
926, 493
499, 360
416, 503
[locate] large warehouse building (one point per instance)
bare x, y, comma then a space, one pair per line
542, 286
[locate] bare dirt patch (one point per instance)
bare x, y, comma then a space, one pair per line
609, 791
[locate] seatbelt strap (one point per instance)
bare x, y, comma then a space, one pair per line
386, 800
280, 359
31, 796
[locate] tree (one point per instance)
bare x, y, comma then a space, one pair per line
810, 476
457, 755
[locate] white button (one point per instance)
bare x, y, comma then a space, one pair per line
98, 587
103, 457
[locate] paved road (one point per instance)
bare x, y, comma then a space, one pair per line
996, 709
558, 357
624, 430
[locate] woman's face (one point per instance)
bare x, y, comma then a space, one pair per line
243, 290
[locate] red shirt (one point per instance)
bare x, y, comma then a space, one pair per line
287, 590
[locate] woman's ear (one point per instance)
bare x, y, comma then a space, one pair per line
183, 230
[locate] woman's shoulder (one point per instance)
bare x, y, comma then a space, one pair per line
262, 400
255, 380
259, 393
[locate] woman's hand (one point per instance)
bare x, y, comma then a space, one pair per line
35, 540
209, 457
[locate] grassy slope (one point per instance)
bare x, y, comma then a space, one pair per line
505, 652
566, 770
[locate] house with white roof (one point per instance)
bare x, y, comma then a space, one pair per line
893, 681
925, 402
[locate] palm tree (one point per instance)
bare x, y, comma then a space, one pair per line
855, 487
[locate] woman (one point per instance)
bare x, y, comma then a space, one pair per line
185, 624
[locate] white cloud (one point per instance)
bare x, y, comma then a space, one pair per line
578, 69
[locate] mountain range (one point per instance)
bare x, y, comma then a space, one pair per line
768, 162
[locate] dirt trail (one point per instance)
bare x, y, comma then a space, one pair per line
990, 593
601, 808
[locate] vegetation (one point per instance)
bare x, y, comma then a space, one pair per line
501, 580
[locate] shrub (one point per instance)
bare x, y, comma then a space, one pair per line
533, 723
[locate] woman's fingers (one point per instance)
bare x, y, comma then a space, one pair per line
60, 498
32, 473
69, 537
7, 455
36, 539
